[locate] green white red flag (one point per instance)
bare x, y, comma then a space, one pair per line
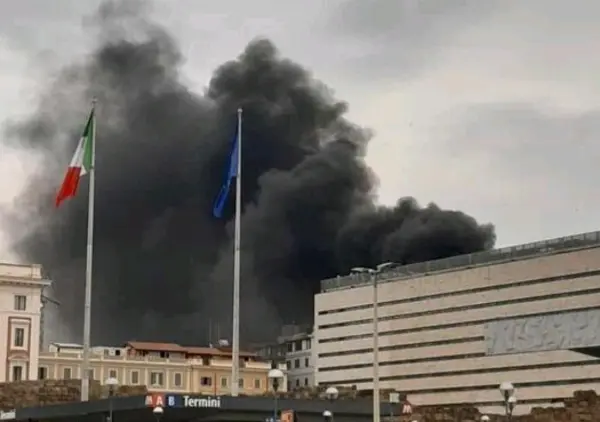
81, 163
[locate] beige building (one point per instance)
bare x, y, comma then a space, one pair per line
162, 367
21, 289
448, 332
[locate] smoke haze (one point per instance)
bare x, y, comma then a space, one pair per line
162, 263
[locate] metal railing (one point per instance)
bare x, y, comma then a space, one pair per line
494, 256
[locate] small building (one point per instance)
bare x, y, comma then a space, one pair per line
294, 349
161, 367
21, 288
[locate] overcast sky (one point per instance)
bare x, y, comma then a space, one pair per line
486, 106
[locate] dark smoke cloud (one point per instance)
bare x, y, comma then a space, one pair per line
162, 267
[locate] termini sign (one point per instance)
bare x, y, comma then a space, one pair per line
202, 401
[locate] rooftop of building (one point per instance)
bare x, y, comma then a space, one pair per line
478, 259
148, 346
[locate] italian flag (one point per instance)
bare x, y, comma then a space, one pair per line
81, 163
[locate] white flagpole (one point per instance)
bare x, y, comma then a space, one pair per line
235, 364
87, 310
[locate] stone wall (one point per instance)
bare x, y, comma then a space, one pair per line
584, 406
14, 395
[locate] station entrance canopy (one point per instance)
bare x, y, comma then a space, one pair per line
578, 331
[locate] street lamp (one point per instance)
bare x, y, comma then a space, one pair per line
374, 272
394, 399
332, 394
112, 384
512, 402
158, 412
508, 395
275, 376
485, 418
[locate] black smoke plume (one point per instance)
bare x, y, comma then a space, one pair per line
163, 264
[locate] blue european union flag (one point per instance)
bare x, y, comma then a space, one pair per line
231, 174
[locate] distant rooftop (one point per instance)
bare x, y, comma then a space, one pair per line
495, 256
148, 346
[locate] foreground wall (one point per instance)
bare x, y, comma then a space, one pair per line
583, 407
14, 395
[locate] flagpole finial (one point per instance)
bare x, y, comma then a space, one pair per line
94, 101
240, 110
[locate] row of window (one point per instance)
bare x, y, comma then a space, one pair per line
299, 345
157, 378
295, 364
296, 384
463, 292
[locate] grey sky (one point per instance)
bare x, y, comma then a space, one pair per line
487, 106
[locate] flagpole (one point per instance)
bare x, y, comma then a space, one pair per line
87, 310
235, 364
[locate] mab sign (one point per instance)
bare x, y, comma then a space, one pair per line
176, 400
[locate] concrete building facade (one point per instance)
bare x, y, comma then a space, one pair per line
300, 361
21, 289
294, 348
436, 317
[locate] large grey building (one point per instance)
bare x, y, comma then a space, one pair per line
452, 330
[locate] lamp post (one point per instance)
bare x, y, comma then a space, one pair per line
112, 384
275, 376
332, 394
394, 399
374, 272
510, 401
158, 412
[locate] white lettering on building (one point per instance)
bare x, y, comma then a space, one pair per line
214, 402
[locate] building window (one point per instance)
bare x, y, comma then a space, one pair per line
224, 382
298, 345
296, 363
289, 364
42, 373
306, 382
289, 386
308, 343
17, 373
156, 378
257, 383
290, 347
20, 302
19, 340
206, 381
91, 374
134, 376
177, 379
306, 362
112, 373
241, 383
298, 382
67, 373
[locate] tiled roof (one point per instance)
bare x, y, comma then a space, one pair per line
155, 347
176, 348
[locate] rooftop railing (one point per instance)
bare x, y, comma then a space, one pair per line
494, 256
